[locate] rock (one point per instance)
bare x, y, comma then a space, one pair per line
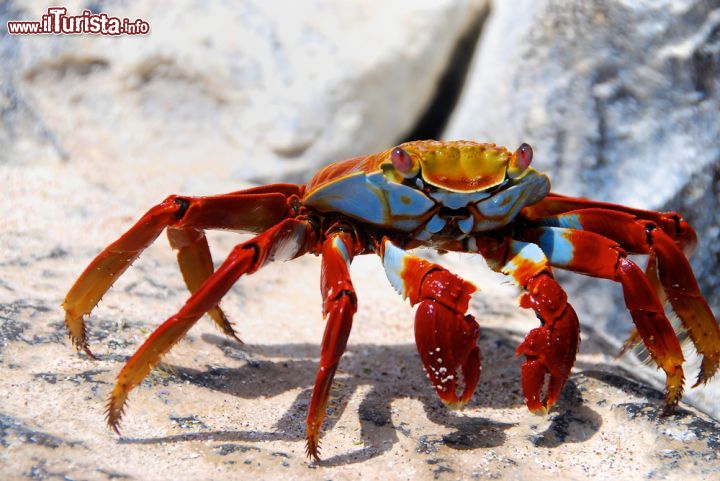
617, 99
620, 101
255, 91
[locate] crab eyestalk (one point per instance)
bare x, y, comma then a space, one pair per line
520, 161
403, 163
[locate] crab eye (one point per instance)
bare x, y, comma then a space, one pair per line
520, 160
525, 155
402, 162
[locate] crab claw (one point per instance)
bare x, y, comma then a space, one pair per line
549, 349
447, 343
543, 358
446, 338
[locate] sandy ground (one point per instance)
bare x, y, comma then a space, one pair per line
219, 410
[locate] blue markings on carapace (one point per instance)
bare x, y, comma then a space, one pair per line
374, 199
458, 200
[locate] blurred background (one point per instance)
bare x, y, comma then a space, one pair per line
620, 100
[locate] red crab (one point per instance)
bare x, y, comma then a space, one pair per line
452, 196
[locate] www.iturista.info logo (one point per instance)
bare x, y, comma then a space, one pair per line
57, 21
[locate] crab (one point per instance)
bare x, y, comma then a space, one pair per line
450, 196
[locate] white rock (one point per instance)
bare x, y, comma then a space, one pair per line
254, 91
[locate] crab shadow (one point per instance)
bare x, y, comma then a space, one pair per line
390, 372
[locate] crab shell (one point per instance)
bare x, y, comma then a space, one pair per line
454, 187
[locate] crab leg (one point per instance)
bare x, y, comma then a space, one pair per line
246, 210
339, 307
671, 223
551, 348
668, 271
195, 261
286, 240
445, 336
592, 254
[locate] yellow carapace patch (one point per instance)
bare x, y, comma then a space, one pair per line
460, 166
